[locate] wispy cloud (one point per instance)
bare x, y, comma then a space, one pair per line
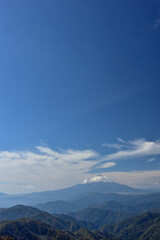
121, 140
119, 145
142, 179
157, 23
107, 165
113, 145
136, 148
48, 168
29, 186
151, 159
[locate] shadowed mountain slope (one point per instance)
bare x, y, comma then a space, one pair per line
59, 207
29, 229
18, 211
143, 227
60, 222
32, 230
99, 217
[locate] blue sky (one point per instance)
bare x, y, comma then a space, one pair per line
79, 77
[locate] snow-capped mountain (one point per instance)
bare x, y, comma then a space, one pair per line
97, 185
97, 179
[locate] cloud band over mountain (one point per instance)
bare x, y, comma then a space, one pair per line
46, 168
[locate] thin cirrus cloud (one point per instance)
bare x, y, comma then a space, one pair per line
29, 186
142, 179
135, 148
151, 159
46, 168
113, 145
46, 157
107, 165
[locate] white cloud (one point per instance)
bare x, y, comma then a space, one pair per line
29, 186
151, 159
48, 169
113, 145
107, 165
136, 148
69, 155
120, 140
142, 179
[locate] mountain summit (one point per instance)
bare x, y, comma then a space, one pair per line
96, 185
97, 179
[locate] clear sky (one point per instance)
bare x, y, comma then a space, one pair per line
79, 92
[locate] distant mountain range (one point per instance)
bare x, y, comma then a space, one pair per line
98, 184
28, 223
130, 203
23, 222
96, 209
62, 222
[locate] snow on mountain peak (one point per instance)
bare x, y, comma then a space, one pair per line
97, 179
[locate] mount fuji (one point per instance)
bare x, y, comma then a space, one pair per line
98, 185
97, 179
90, 192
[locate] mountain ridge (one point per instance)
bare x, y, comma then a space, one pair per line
68, 194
